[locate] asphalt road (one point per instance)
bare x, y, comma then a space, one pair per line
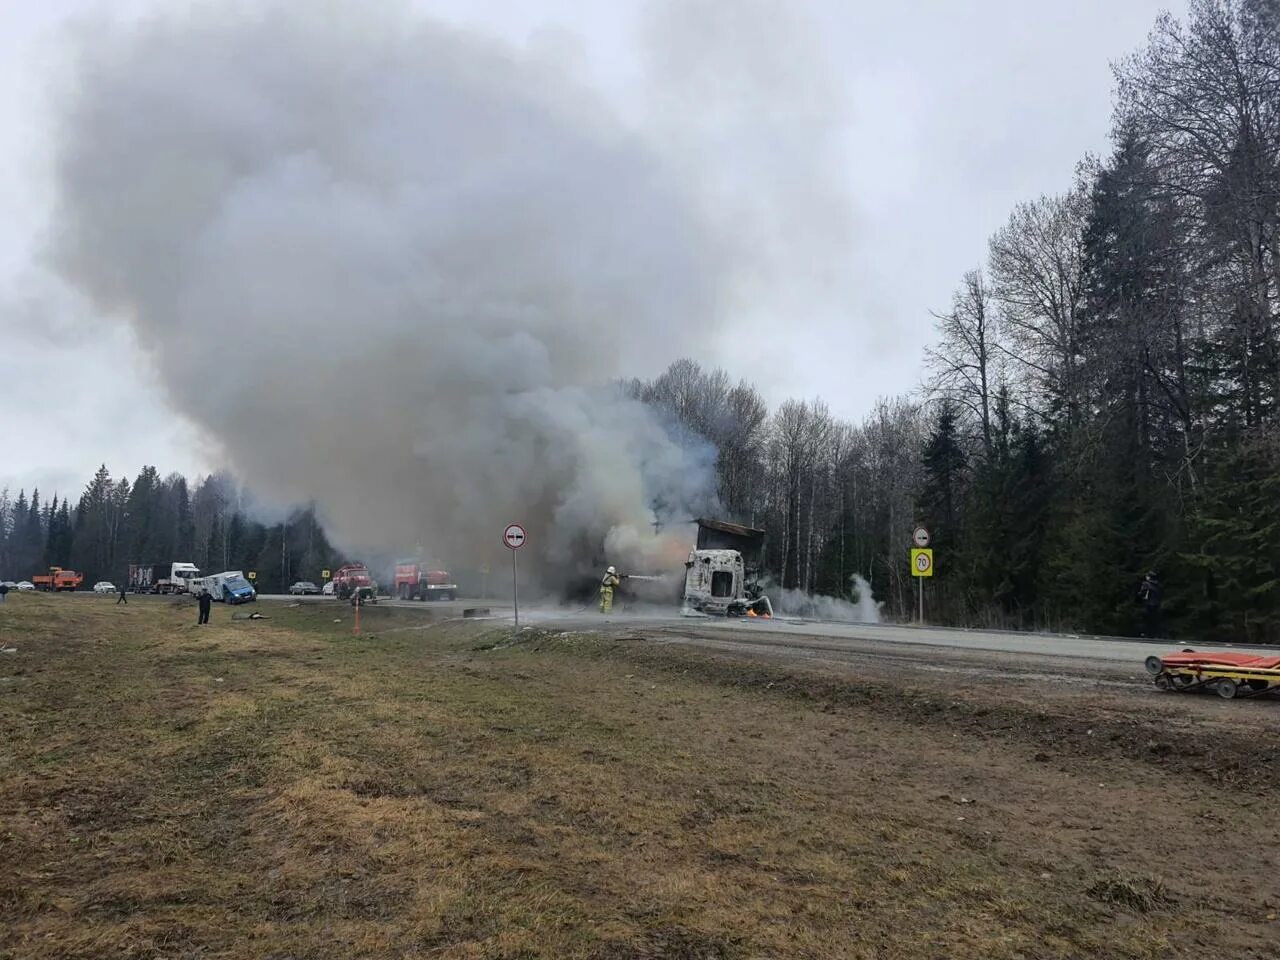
815, 637
820, 641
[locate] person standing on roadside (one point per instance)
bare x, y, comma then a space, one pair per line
1149, 595
123, 598
205, 601
4, 592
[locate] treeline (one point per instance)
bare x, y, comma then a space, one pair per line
1103, 400
158, 520
1104, 394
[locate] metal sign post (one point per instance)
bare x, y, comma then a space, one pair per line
921, 567
514, 538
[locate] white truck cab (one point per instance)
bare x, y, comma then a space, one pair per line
715, 582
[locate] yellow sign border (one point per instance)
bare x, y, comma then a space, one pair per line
916, 571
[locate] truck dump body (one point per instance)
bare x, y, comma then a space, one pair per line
722, 535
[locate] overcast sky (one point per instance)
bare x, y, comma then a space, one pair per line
952, 113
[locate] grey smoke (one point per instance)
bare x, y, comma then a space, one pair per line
390, 267
394, 267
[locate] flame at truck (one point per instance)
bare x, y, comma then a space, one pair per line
722, 571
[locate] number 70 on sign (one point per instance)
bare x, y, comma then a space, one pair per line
922, 563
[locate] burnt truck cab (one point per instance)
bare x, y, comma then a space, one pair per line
721, 573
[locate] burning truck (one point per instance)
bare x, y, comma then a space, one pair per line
722, 572
721, 576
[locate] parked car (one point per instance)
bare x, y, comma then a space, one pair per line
327, 589
303, 588
104, 586
11, 584
25, 585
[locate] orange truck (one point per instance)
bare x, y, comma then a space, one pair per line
58, 580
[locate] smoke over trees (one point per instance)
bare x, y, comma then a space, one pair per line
442, 254
390, 267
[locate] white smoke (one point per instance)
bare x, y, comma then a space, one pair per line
389, 267
392, 267
858, 607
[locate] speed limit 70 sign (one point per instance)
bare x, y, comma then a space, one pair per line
922, 563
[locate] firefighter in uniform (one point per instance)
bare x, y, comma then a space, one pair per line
607, 583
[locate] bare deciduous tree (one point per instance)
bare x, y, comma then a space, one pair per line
1037, 271
964, 365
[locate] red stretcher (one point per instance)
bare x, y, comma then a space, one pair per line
1229, 675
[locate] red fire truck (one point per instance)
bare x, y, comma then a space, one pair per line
417, 581
349, 578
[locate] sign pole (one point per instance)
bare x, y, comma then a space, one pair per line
515, 592
514, 537
921, 567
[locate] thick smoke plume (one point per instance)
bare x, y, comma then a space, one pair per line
392, 267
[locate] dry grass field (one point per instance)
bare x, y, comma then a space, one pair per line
281, 789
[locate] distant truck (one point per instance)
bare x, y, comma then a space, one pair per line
229, 587
414, 581
349, 578
172, 577
57, 580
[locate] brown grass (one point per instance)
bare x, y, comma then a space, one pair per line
281, 789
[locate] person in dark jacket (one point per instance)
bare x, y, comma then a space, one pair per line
4, 591
206, 601
1149, 596
122, 598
